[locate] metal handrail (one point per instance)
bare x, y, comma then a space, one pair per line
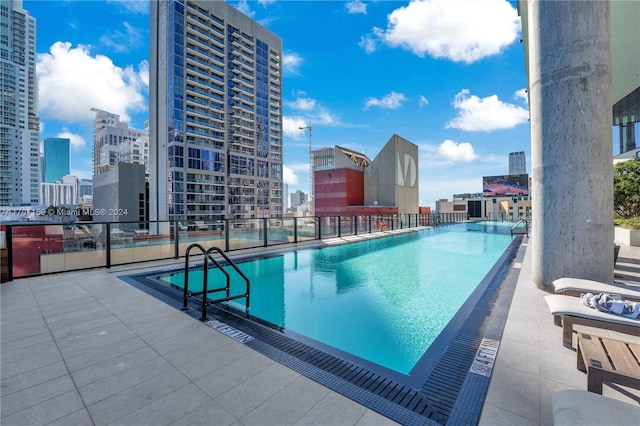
522, 222
205, 301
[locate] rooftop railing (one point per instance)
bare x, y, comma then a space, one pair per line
37, 248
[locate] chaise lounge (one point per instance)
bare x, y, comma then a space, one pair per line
576, 286
574, 312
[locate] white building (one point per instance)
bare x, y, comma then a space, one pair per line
58, 194
19, 123
114, 141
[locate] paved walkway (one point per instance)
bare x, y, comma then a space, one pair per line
532, 363
85, 348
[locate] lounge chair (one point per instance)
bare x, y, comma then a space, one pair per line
576, 286
579, 408
573, 311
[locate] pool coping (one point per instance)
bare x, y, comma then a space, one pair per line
441, 389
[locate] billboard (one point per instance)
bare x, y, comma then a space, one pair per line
507, 185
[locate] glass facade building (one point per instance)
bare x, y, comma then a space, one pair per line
56, 159
626, 124
19, 123
215, 114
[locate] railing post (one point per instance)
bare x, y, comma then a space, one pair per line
319, 225
9, 241
265, 238
226, 235
369, 217
176, 239
295, 229
355, 224
205, 287
107, 230
185, 283
339, 226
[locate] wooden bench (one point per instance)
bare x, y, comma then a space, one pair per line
608, 360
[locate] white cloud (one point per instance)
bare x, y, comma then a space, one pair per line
75, 140
291, 127
291, 61
143, 72
243, 6
485, 114
123, 41
368, 43
308, 113
462, 30
133, 6
522, 95
423, 101
305, 104
392, 100
289, 175
458, 152
356, 6
71, 82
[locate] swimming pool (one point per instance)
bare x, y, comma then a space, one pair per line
383, 301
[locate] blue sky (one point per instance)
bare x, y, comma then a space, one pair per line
448, 75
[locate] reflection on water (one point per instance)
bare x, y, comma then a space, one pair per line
384, 300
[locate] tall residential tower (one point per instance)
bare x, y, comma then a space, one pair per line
215, 113
19, 124
517, 163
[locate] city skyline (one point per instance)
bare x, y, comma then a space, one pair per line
357, 73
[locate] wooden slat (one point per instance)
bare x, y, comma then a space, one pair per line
592, 350
635, 349
623, 360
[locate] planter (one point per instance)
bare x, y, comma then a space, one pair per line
629, 237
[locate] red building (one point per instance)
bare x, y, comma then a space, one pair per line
341, 192
347, 182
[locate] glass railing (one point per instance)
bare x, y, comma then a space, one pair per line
33, 249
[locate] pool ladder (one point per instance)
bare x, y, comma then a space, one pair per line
205, 301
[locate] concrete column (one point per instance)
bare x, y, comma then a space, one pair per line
571, 140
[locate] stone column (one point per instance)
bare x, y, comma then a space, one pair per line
571, 140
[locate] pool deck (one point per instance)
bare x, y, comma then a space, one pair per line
86, 348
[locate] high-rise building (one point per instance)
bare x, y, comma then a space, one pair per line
298, 198
19, 123
56, 159
517, 163
114, 141
215, 113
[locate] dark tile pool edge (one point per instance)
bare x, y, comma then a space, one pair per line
449, 395
468, 405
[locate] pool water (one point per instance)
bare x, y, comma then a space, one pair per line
384, 300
